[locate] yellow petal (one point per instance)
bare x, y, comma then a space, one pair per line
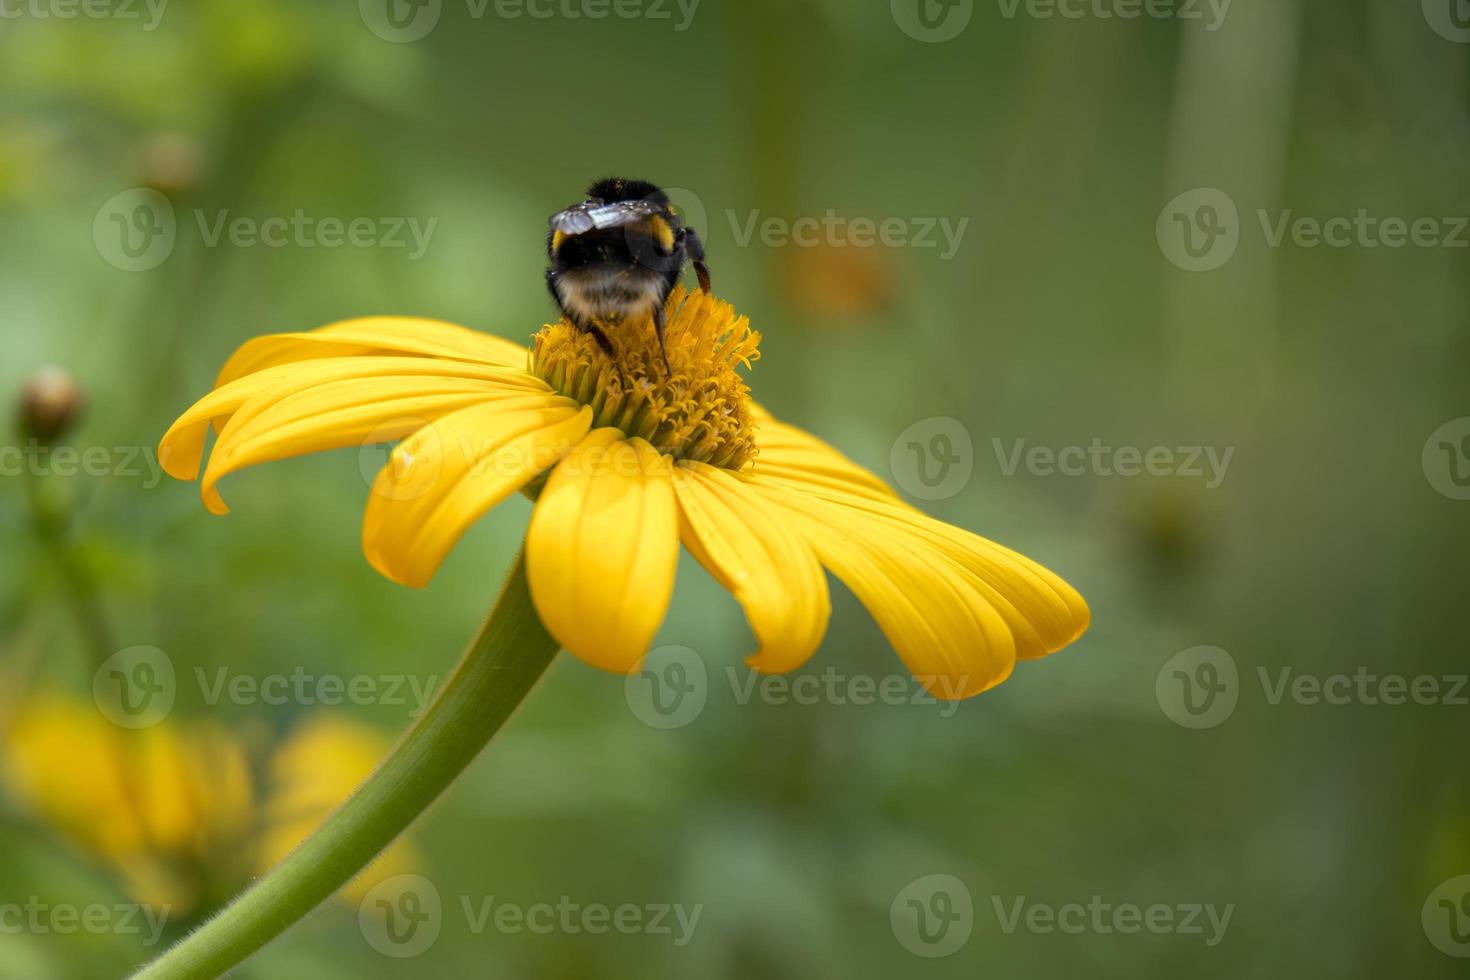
750, 548
350, 413
68, 765
165, 801
447, 475
374, 335
795, 457
602, 549
1045, 612
182, 448
954, 640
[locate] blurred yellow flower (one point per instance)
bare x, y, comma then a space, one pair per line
175, 809
627, 458
160, 805
319, 766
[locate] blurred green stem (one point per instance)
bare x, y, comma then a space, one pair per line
510, 654
51, 520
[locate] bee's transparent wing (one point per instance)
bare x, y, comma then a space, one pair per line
582, 218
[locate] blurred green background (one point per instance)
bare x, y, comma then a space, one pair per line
1334, 543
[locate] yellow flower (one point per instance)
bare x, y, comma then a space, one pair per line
326, 758
174, 809
626, 460
165, 806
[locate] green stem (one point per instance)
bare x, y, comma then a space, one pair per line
511, 652
51, 520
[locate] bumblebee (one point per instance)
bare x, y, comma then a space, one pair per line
618, 255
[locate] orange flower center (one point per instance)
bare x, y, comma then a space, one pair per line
695, 407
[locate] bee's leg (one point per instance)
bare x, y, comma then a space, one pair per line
694, 246
601, 338
658, 329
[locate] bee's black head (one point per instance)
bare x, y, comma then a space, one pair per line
610, 190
